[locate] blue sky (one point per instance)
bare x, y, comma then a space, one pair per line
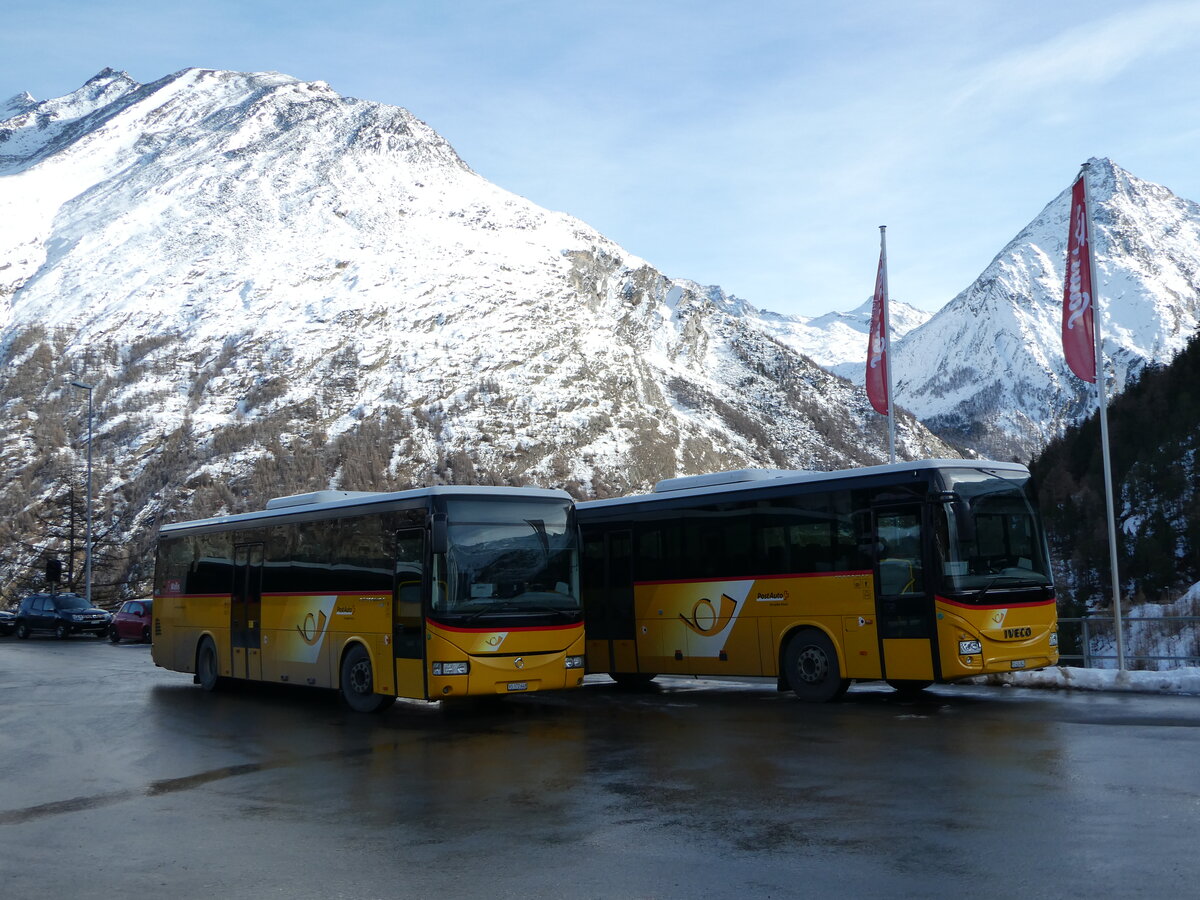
754, 145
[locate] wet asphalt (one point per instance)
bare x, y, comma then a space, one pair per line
123, 779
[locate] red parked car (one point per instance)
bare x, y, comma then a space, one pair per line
132, 621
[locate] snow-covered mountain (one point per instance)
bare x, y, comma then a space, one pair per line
276, 288
838, 340
988, 369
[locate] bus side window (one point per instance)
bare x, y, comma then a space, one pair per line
410, 570
407, 610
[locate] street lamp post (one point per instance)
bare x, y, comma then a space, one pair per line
87, 549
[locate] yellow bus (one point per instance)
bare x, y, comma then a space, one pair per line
435, 593
913, 573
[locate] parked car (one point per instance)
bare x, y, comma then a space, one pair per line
8, 622
60, 614
132, 621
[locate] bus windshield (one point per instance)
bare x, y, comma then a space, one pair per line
508, 560
989, 536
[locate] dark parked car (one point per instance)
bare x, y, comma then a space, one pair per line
8, 622
61, 614
132, 621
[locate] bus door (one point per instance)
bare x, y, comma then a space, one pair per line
408, 634
245, 611
903, 606
608, 606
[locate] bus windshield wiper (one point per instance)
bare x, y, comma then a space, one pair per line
510, 607
991, 584
565, 613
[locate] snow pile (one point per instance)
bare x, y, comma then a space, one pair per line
1175, 681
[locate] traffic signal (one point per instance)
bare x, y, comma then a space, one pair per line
53, 570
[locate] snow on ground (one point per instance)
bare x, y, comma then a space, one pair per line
1173, 681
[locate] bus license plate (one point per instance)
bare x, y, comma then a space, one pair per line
518, 685
1018, 663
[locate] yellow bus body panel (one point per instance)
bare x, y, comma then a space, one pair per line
303, 638
909, 659
180, 623
410, 679
503, 661
1013, 639
738, 626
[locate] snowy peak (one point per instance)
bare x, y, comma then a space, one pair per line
16, 105
988, 368
29, 127
837, 340
903, 319
180, 108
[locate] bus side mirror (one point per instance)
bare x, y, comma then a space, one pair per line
438, 536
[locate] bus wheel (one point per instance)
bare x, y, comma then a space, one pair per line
207, 673
632, 680
810, 665
909, 688
358, 683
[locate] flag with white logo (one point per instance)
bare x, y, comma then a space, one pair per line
877, 357
1078, 336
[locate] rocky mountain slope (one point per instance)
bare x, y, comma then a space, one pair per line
274, 288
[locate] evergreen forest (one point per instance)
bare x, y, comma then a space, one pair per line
1153, 434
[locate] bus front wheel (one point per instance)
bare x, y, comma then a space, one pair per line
358, 682
811, 667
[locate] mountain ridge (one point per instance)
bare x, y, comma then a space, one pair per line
277, 289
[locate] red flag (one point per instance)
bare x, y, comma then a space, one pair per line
877, 360
1079, 339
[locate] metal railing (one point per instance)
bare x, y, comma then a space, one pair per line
1088, 628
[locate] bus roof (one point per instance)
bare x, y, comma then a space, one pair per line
719, 483
283, 508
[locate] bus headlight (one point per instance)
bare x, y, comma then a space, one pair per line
968, 647
574, 662
1054, 639
451, 668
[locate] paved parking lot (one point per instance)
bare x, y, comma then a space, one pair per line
121, 778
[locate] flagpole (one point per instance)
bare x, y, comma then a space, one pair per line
1102, 403
887, 348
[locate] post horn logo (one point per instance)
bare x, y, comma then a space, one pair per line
519, 663
705, 620
313, 628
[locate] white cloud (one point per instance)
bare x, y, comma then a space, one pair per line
1090, 54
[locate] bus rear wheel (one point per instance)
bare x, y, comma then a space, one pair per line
358, 683
208, 675
810, 665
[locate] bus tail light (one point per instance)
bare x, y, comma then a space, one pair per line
451, 668
574, 662
966, 648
